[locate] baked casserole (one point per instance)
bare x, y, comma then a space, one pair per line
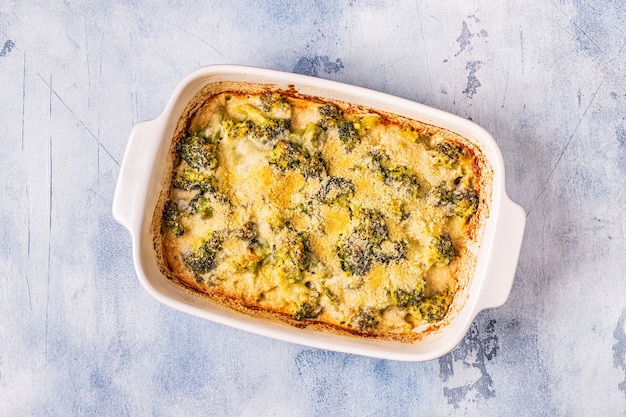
319, 213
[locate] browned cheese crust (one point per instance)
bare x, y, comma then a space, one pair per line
321, 214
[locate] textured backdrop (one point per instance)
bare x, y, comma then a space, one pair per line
78, 334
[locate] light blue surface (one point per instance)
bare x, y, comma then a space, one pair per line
78, 334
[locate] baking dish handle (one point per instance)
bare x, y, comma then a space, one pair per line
505, 250
134, 175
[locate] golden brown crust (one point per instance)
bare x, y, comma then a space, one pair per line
311, 324
170, 252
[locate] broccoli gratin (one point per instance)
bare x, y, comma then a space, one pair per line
319, 213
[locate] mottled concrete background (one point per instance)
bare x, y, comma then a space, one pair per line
79, 336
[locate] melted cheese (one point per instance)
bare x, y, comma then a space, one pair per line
368, 238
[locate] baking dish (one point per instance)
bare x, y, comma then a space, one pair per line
145, 165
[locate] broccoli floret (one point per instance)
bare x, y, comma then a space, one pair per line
441, 250
335, 188
448, 154
331, 117
200, 262
367, 319
435, 308
348, 135
466, 203
366, 244
270, 133
250, 233
198, 152
355, 254
265, 129
201, 205
397, 175
293, 257
372, 226
171, 218
292, 156
276, 105
457, 202
308, 306
409, 298
203, 260
257, 248
257, 116
191, 179
298, 253
307, 310
236, 130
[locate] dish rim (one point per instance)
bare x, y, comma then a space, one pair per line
138, 187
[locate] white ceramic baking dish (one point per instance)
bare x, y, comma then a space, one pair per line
144, 168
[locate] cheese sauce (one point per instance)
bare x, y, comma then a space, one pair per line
319, 213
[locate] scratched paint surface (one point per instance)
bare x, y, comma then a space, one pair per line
78, 334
